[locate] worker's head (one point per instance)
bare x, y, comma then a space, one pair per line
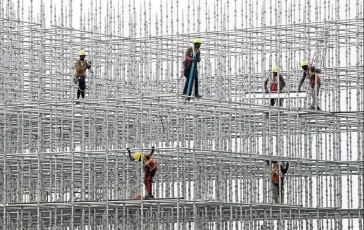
304, 65
275, 70
311, 69
138, 156
82, 54
196, 43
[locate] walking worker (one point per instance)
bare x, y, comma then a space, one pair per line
278, 172
150, 168
81, 66
189, 58
276, 84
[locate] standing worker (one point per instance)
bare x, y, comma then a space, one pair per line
190, 53
150, 169
278, 172
276, 84
311, 73
81, 66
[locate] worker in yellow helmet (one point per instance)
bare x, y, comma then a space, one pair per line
311, 73
190, 53
304, 66
150, 169
81, 66
276, 84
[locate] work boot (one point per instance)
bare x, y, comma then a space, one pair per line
198, 96
148, 196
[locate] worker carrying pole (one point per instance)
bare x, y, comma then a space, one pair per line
192, 55
81, 66
150, 168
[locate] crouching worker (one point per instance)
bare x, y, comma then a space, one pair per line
278, 172
80, 73
150, 169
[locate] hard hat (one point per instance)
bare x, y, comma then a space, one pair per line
275, 69
82, 53
137, 156
196, 40
304, 63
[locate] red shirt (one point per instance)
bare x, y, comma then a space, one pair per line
312, 80
276, 171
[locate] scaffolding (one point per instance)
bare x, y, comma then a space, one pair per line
64, 163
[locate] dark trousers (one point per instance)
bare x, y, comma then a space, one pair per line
81, 87
148, 180
273, 101
194, 82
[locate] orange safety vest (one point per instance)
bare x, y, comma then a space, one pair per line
152, 163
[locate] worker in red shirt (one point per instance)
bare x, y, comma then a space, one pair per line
150, 169
311, 73
278, 172
315, 85
190, 53
276, 84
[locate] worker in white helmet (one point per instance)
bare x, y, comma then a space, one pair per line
190, 53
81, 66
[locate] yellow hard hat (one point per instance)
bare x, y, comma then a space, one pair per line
137, 156
304, 63
275, 69
196, 40
82, 53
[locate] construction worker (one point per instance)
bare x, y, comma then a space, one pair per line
190, 53
278, 172
150, 169
276, 84
311, 73
81, 66
304, 66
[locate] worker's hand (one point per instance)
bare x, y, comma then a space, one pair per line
198, 59
91, 71
152, 147
128, 149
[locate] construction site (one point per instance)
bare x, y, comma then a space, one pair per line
64, 163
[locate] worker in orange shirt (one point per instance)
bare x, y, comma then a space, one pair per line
150, 169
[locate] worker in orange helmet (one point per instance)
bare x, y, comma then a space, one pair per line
150, 169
